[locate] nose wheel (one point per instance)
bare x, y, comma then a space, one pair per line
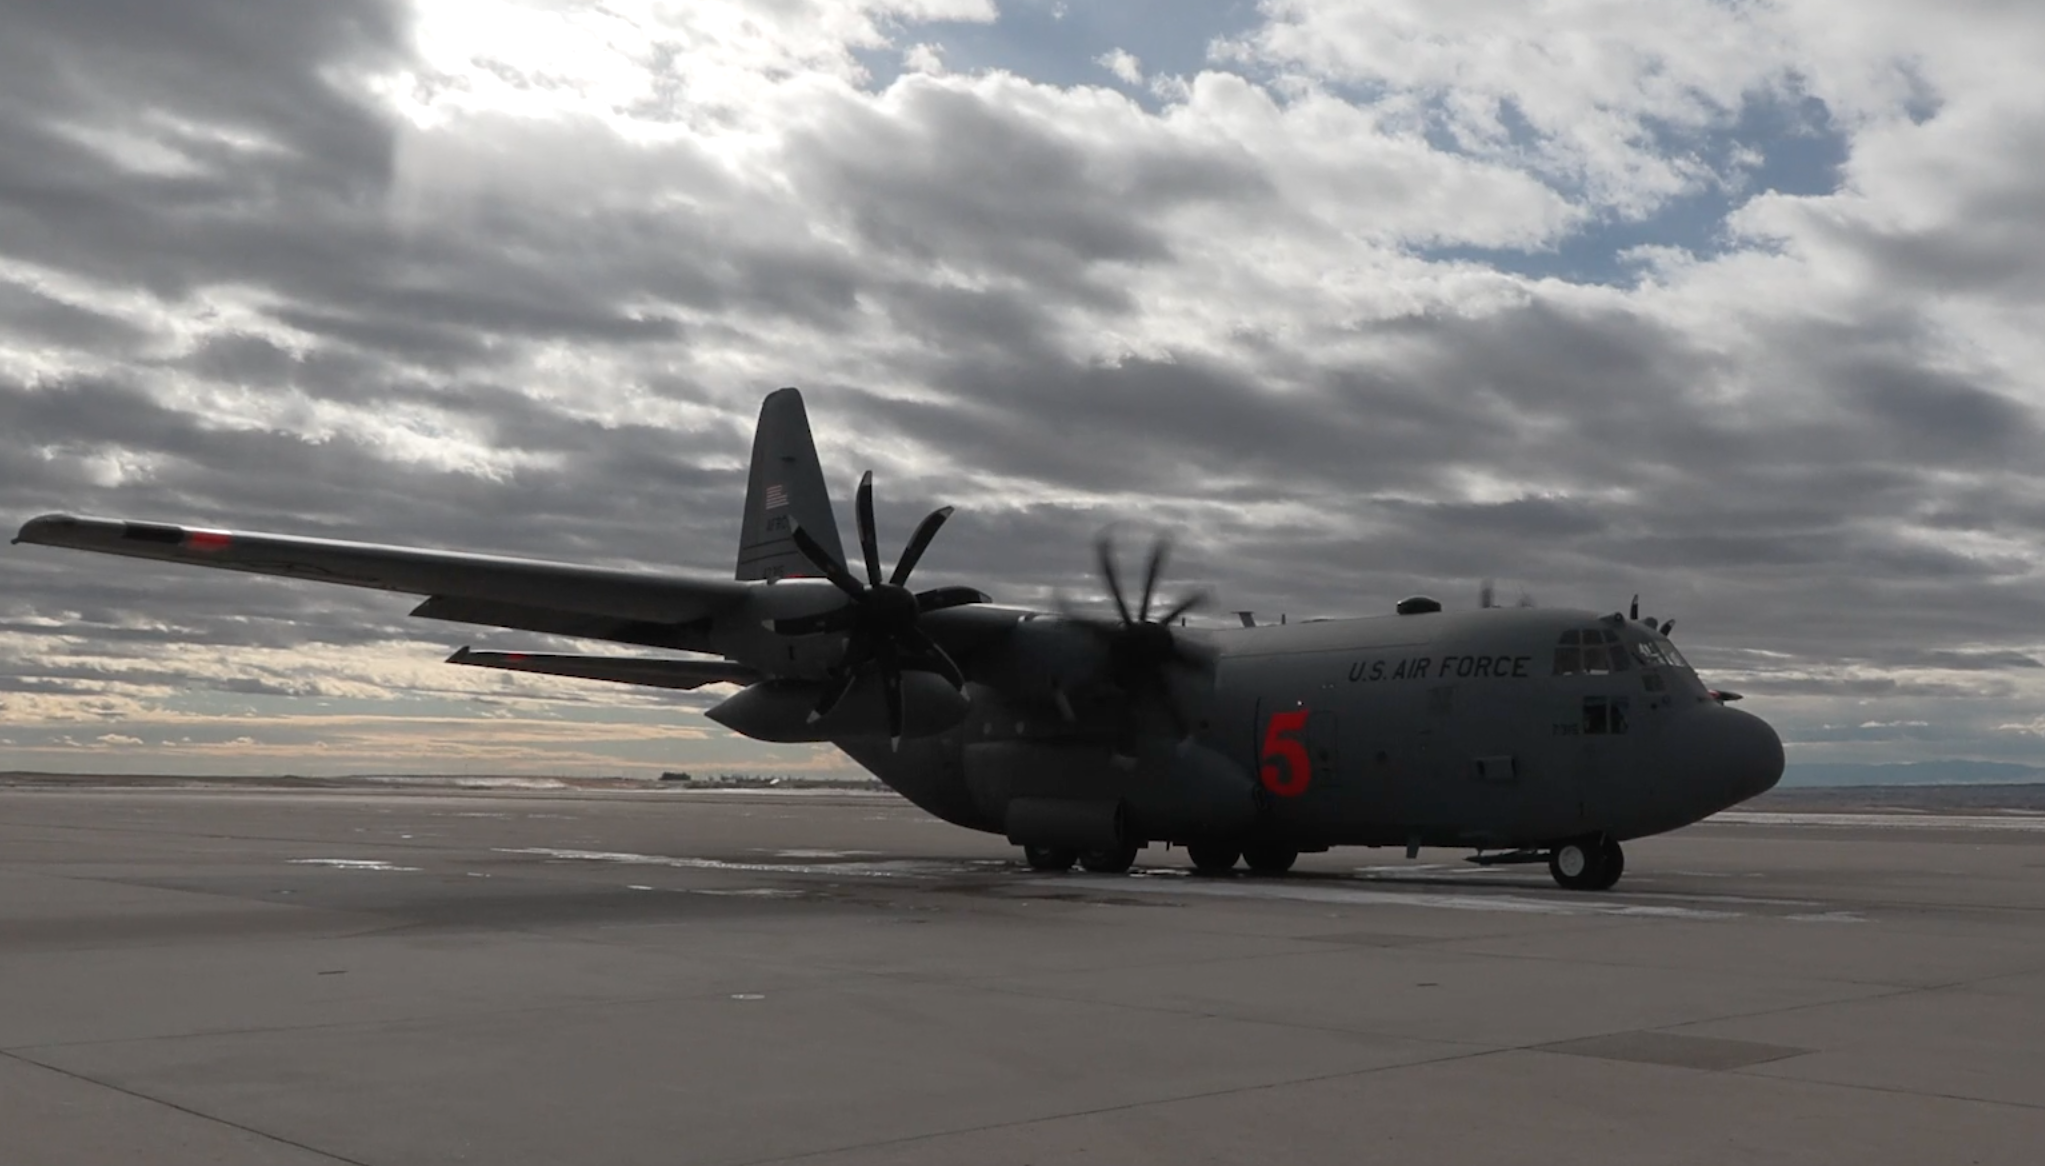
1587, 864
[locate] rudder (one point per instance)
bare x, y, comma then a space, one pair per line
785, 487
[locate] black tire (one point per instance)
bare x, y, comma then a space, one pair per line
1613, 859
1270, 859
1578, 864
1213, 858
1114, 860
1050, 858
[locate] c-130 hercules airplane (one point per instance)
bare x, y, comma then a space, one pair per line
1522, 733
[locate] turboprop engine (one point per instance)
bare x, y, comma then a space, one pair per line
785, 710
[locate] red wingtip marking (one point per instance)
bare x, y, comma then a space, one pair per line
514, 657
207, 540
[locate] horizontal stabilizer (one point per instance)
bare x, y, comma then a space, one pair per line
651, 673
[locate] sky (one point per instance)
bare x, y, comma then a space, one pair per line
1733, 304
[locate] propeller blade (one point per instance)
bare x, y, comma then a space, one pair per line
1666, 625
925, 650
1106, 552
869, 541
1180, 729
832, 568
833, 695
1185, 605
1159, 552
918, 543
1633, 609
939, 598
1064, 704
1192, 657
891, 689
838, 619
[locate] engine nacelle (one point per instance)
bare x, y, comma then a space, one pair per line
778, 710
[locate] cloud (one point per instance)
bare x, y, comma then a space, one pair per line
513, 278
1123, 64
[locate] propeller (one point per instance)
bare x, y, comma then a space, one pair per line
880, 622
1142, 652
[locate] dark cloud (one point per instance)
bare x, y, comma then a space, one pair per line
952, 178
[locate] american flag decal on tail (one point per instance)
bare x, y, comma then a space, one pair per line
777, 497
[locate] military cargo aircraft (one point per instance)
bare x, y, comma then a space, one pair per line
1523, 734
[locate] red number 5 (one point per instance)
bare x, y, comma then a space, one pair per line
1282, 744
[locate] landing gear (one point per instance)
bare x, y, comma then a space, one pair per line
1050, 858
1213, 858
1615, 865
1268, 859
1110, 860
1587, 864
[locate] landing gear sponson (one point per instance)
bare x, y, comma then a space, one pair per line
1209, 858
1581, 864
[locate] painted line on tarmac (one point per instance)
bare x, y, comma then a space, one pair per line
894, 868
1513, 904
352, 864
2025, 824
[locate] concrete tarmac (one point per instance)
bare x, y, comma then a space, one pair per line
834, 979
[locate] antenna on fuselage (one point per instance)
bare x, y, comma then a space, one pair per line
1633, 612
1487, 595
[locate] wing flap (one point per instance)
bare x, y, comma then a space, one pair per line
528, 584
685, 674
681, 637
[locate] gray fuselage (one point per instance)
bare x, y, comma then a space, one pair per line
1493, 728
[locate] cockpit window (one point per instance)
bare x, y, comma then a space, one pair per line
1658, 652
1590, 652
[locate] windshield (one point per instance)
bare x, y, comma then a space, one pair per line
1592, 651
1653, 650
1597, 651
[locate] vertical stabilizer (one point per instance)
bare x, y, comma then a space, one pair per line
786, 487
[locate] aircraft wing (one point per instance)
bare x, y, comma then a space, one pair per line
599, 602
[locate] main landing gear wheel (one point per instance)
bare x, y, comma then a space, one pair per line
1587, 864
1615, 865
1050, 858
1213, 858
1113, 860
1270, 859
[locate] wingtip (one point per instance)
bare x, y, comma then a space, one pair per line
43, 525
461, 655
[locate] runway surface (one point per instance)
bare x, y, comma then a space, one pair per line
667, 977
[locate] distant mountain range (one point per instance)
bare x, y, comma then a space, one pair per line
1913, 773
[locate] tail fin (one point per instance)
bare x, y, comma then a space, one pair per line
786, 488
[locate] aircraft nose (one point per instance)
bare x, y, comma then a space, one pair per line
1729, 754
1756, 762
